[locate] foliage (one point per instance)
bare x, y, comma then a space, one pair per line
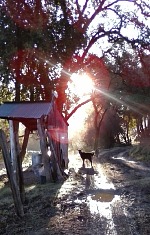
45, 42
131, 88
6, 93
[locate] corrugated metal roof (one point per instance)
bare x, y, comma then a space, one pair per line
34, 110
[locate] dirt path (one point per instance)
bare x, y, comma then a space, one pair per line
132, 181
112, 198
105, 199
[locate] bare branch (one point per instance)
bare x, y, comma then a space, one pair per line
85, 6
147, 14
76, 108
101, 8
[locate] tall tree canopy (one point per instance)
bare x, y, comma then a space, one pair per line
44, 42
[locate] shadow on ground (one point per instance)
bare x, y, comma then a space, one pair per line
39, 206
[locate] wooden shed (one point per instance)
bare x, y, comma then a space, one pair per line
52, 129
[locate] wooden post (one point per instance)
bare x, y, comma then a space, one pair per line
19, 161
13, 148
56, 166
16, 158
45, 157
25, 143
10, 173
13, 156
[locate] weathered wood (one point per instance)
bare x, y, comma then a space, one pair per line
16, 163
43, 146
10, 172
19, 161
24, 144
57, 168
13, 148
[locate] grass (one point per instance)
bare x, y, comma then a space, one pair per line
39, 206
140, 153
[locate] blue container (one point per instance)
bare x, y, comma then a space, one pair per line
36, 159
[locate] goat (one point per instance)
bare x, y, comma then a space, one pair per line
87, 156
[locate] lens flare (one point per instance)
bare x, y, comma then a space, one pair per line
80, 84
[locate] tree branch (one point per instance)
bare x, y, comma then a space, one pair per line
76, 108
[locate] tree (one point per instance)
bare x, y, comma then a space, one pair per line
44, 43
53, 39
130, 69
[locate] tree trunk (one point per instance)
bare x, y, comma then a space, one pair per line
98, 131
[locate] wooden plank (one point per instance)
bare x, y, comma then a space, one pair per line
43, 146
13, 148
56, 166
19, 161
25, 143
15, 190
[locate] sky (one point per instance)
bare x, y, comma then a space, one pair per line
108, 23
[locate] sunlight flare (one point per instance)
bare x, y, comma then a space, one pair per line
81, 84
132, 105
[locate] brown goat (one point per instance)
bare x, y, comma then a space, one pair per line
85, 155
